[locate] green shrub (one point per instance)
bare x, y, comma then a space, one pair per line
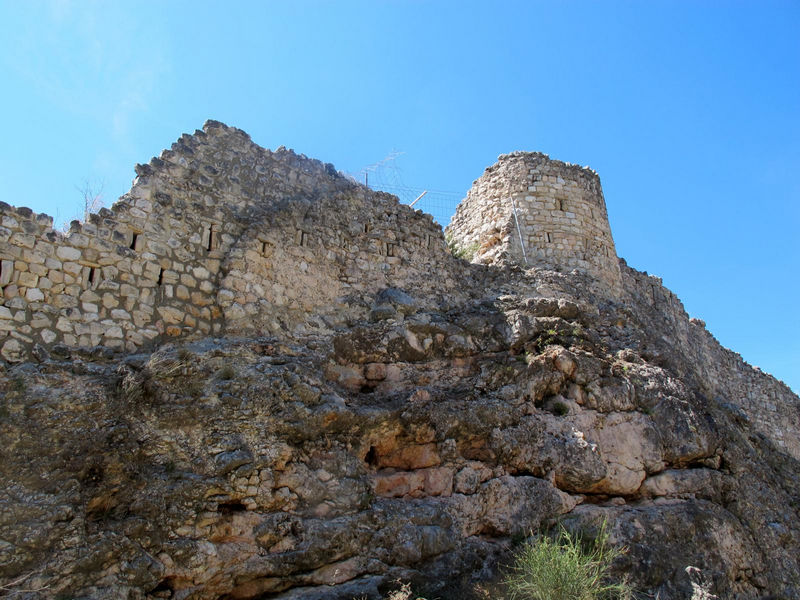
566, 567
466, 252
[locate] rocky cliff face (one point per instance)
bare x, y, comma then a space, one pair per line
416, 437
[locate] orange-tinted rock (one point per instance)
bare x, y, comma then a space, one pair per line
412, 457
564, 362
393, 485
438, 481
349, 377
375, 371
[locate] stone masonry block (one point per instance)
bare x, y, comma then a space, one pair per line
68, 253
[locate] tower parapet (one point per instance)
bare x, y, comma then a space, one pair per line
560, 223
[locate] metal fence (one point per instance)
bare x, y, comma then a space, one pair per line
386, 176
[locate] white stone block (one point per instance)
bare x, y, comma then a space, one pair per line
34, 295
68, 253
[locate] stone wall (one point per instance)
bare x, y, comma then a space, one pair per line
219, 235
766, 404
562, 218
314, 264
216, 229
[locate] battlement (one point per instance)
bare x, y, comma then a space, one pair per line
530, 209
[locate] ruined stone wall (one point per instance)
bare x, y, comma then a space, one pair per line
216, 227
220, 235
562, 217
766, 404
316, 267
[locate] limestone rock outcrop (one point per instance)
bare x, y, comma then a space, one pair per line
360, 406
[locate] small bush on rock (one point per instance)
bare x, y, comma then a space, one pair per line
466, 252
566, 567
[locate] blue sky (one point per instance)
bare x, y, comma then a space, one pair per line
689, 111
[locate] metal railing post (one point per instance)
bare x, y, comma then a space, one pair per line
519, 231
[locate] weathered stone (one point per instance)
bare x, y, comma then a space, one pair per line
227, 461
375, 371
34, 295
68, 253
404, 483
27, 279
48, 336
392, 410
411, 457
170, 315
6, 270
12, 351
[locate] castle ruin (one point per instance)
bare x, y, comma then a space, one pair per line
221, 236
254, 377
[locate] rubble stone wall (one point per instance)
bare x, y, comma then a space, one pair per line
561, 216
192, 243
314, 264
765, 403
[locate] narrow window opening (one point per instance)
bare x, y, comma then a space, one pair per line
92, 276
210, 244
303, 237
561, 206
547, 237
133, 241
161, 276
390, 249
366, 227
263, 247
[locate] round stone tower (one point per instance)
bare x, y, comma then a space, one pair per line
532, 210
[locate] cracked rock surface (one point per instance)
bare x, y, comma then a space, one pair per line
413, 444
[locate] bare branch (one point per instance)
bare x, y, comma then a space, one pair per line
92, 196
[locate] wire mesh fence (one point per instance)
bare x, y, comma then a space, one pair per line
386, 176
440, 204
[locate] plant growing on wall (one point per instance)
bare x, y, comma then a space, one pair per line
91, 200
466, 252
